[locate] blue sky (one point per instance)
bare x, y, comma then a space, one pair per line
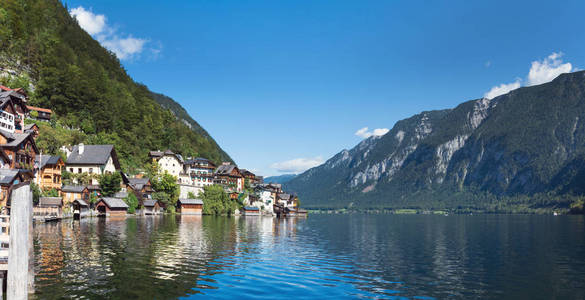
284, 85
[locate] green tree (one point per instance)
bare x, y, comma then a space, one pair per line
132, 202
51, 193
36, 193
167, 189
110, 183
217, 202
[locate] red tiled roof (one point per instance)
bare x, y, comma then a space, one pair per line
39, 109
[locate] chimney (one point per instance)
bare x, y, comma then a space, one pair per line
81, 148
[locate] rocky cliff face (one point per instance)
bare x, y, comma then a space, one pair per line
515, 144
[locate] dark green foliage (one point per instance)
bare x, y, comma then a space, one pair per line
110, 183
88, 89
51, 193
167, 189
132, 202
36, 192
217, 202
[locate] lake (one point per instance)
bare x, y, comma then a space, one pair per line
324, 256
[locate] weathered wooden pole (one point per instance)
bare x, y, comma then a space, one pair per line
20, 254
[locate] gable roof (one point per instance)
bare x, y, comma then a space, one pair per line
73, 188
50, 201
149, 203
47, 160
7, 176
284, 196
138, 183
226, 169
30, 126
190, 201
114, 202
46, 110
93, 155
81, 202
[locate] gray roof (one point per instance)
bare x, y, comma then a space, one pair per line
50, 201
29, 126
114, 202
121, 195
81, 202
43, 160
73, 188
149, 203
284, 196
225, 169
190, 201
7, 176
18, 138
155, 153
92, 155
137, 183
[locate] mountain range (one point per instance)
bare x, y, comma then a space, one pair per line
521, 151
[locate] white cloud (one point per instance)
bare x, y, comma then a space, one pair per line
124, 48
364, 133
548, 69
297, 165
501, 89
540, 72
96, 25
89, 21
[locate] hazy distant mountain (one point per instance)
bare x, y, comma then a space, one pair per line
280, 179
525, 149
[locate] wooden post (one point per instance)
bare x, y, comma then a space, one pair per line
20, 255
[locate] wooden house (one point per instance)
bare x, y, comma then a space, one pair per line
251, 211
43, 114
80, 208
20, 148
32, 128
74, 192
8, 178
151, 207
141, 188
112, 207
48, 175
49, 206
190, 206
18, 99
229, 174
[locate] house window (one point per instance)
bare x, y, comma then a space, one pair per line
71, 170
90, 170
79, 169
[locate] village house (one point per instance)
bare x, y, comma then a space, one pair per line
287, 200
80, 208
251, 211
43, 114
74, 192
229, 175
111, 207
190, 206
21, 150
141, 188
49, 206
92, 159
48, 174
266, 196
168, 161
17, 99
151, 207
251, 177
200, 170
33, 129
8, 178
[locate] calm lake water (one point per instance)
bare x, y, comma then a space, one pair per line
324, 256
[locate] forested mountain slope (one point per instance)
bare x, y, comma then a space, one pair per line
44, 50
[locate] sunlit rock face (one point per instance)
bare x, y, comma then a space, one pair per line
530, 140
